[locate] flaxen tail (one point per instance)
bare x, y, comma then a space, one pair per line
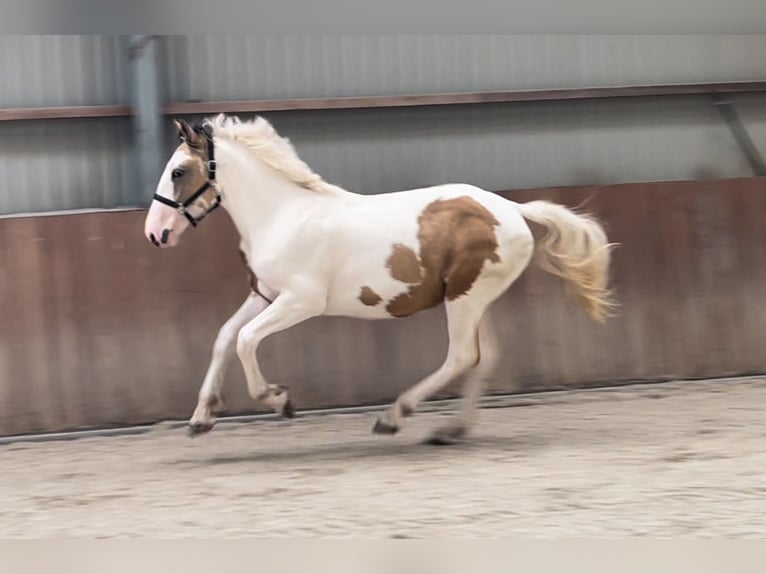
574, 247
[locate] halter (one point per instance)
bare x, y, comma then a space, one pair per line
211, 169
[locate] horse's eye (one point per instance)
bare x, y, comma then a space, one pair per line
177, 173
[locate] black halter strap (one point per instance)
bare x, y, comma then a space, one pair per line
210, 183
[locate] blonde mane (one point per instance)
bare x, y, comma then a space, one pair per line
261, 138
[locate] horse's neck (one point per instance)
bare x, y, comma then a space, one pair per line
261, 201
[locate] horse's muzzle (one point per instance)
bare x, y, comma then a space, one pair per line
166, 239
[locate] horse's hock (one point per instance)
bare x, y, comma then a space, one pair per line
106, 330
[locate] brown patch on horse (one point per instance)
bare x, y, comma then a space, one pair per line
194, 174
188, 135
456, 237
369, 297
252, 277
194, 169
404, 264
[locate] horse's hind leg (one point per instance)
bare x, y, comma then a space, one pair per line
210, 399
473, 386
463, 317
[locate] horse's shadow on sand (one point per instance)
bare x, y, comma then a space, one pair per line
492, 446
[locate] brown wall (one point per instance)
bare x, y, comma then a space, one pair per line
100, 328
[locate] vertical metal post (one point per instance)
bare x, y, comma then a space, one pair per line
146, 99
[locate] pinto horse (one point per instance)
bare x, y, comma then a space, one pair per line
313, 249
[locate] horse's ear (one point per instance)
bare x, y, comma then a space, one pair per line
186, 133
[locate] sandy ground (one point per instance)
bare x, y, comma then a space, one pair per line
678, 459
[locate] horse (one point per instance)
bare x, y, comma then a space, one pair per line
313, 248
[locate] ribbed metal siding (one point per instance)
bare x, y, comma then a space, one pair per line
500, 146
495, 146
282, 66
66, 164
71, 164
62, 71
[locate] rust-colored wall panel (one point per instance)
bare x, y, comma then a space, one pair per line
100, 328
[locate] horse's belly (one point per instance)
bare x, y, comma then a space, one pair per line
362, 301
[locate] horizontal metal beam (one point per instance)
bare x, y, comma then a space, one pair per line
64, 112
559, 94
358, 102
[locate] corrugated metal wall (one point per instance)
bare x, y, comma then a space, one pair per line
64, 164
267, 66
499, 146
62, 71
494, 146
78, 164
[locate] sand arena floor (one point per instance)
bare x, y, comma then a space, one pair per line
676, 459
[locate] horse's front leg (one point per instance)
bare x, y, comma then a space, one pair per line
210, 397
287, 310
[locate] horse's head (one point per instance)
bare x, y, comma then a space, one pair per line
187, 189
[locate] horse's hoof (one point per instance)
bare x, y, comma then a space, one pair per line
382, 427
288, 411
441, 440
197, 429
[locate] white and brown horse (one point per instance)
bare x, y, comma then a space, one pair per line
315, 249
